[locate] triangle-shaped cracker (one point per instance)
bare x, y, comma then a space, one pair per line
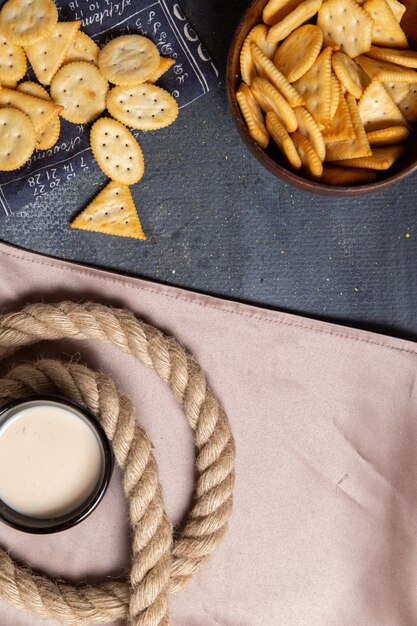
377, 109
41, 112
112, 212
341, 127
46, 56
408, 106
386, 30
386, 72
315, 87
351, 148
397, 8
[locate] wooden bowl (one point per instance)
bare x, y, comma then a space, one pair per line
271, 158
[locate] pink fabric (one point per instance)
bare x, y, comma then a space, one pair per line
323, 530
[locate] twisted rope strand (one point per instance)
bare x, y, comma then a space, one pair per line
160, 566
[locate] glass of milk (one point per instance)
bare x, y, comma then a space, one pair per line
55, 464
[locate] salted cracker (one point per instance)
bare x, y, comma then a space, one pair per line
380, 159
116, 151
350, 148
145, 107
270, 99
298, 52
315, 87
47, 136
386, 30
82, 48
128, 60
40, 111
310, 129
24, 22
377, 109
12, 62
385, 71
247, 66
341, 176
252, 115
267, 69
47, 56
349, 73
17, 139
309, 157
301, 14
388, 136
282, 140
81, 90
112, 212
345, 23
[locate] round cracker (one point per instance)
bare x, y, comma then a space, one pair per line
349, 73
129, 60
12, 62
269, 99
145, 107
24, 22
282, 140
33, 89
299, 51
116, 151
17, 139
252, 114
308, 155
81, 89
308, 127
83, 48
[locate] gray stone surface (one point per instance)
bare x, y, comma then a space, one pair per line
218, 222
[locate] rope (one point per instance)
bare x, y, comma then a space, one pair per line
160, 565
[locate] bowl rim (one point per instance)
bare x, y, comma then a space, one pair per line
273, 166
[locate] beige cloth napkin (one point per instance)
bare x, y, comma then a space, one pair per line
324, 526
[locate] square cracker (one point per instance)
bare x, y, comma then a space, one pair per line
315, 87
351, 148
341, 126
386, 30
377, 109
345, 23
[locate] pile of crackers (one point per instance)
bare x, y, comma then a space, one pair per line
83, 82
332, 85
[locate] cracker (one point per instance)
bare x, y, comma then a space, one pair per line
275, 10
267, 69
282, 140
24, 22
397, 91
129, 60
112, 212
406, 58
299, 51
315, 87
386, 72
334, 95
270, 99
82, 48
164, 64
397, 8
345, 23
349, 73
377, 109
333, 175
116, 151
386, 30
350, 148
252, 114
408, 106
309, 157
12, 62
17, 139
380, 159
81, 89
309, 128
247, 66
146, 107
388, 136
48, 136
40, 111
341, 126
47, 56
301, 14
